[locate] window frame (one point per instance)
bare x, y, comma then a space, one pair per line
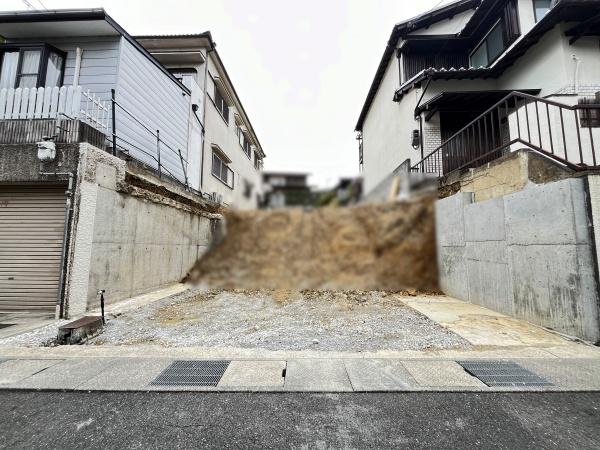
214, 99
45, 51
483, 41
219, 176
535, 15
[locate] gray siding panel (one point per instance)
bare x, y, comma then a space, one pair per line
158, 102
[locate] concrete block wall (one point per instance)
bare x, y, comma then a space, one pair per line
126, 244
530, 254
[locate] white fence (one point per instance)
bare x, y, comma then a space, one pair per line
50, 103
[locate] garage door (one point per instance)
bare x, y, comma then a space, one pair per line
32, 221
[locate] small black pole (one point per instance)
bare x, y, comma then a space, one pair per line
114, 122
101, 292
158, 152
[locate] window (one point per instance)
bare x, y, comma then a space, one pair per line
221, 170
257, 162
221, 104
31, 66
243, 140
541, 8
489, 49
499, 38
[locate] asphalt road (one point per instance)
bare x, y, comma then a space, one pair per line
273, 420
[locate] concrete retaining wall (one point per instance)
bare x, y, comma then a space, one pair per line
530, 254
129, 237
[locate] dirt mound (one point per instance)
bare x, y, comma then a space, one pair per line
388, 246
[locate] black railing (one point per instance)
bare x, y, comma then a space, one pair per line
567, 134
155, 157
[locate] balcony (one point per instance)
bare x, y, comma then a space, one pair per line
67, 114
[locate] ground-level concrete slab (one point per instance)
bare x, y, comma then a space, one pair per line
301, 375
441, 374
67, 374
127, 375
13, 371
378, 375
317, 375
254, 374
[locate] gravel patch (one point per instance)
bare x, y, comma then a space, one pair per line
281, 320
40, 337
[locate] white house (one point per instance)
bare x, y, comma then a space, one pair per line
443, 94
231, 157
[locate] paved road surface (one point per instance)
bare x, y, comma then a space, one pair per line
221, 420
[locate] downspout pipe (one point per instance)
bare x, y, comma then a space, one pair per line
419, 118
78, 57
212, 47
65, 244
576, 74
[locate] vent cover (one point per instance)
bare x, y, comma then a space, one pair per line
192, 373
503, 373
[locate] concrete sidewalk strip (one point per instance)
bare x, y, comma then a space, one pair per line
378, 375
249, 374
317, 375
68, 374
577, 374
15, 370
441, 374
127, 374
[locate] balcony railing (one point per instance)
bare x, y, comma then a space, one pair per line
567, 134
54, 103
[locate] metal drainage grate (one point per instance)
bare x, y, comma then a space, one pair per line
192, 373
503, 373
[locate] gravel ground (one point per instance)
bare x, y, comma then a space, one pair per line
43, 336
271, 320
281, 320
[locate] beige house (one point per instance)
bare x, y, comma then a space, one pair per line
467, 82
230, 156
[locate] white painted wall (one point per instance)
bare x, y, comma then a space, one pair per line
387, 130
222, 134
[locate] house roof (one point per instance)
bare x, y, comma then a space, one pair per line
188, 40
401, 29
16, 25
564, 11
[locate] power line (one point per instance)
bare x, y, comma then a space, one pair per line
43, 6
29, 5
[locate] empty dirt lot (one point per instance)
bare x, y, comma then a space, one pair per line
281, 320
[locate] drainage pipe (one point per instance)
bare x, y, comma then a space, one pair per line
64, 249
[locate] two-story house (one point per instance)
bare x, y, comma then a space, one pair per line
231, 157
109, 156
466, 82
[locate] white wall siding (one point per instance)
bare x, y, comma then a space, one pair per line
157, 101
387, 130
99, 63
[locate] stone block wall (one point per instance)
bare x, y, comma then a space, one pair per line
530, 254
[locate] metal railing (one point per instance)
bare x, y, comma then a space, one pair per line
567, 134
155, 159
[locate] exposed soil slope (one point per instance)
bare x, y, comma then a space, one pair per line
388, 246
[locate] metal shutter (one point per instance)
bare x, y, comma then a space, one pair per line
32, 224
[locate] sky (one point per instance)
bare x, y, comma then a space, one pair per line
302, 68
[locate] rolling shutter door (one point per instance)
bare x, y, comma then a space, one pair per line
32, 221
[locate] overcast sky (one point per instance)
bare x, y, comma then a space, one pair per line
302, 68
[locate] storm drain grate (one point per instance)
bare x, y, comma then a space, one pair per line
503, 373
192, 373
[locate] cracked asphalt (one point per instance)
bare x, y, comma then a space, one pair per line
35, 420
